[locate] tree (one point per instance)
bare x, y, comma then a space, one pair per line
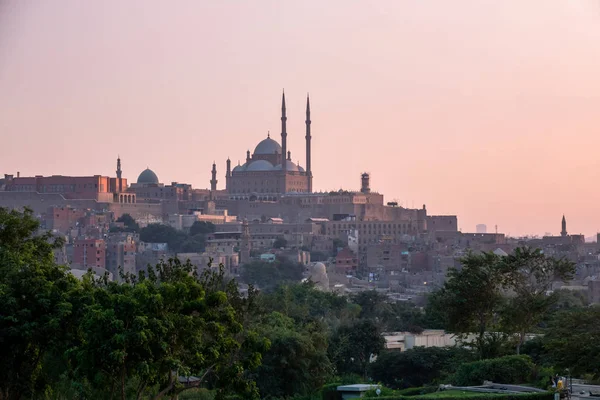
193, 244
157, 328
269, 275
471, 298
159, 233
352, 346
202, 228
36, 304
130, 224
529, 273
418, 366
296, 362
280, 243
572, 340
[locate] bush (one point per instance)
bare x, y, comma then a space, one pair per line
329, 391
418, 391
509, 369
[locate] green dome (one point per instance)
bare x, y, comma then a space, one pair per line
148, 177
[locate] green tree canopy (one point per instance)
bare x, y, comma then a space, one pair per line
268, 275
418, 366
171, 323
352, 346
296, 362
36, 304
159, 233
572, 340
529, 274
202, 228
130, 224
471, 298
280, 243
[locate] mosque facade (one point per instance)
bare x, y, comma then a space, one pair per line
269, 171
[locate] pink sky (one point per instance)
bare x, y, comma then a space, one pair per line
489, 110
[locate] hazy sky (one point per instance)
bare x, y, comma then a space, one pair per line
485, 109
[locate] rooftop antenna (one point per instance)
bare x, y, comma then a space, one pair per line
496, 229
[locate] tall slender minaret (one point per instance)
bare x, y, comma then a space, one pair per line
213, 181
119, 174
563, 233
308, 137
283, 136
245, 245
227, 173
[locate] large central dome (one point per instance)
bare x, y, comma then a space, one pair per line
148, 177
267, 146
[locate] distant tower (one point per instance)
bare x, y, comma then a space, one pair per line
308, 138
289, 156
119, 174
228, 173
365, 184
563, 233
245, 249
283, 134
247, 158
213, 181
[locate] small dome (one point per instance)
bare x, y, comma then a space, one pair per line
267, 146
240, 168
301, 169
319, 268
290, 166
148, 177
260, 165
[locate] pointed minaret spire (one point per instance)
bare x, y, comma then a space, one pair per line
119, 174
308, 138
563, 232
213, 181
283, 136
289, 156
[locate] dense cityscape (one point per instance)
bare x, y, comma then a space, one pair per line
268, 210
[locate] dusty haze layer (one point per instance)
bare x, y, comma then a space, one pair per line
484, 109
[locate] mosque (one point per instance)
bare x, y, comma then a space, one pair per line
269, 171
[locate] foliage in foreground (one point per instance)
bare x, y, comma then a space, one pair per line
509, 369
99, 339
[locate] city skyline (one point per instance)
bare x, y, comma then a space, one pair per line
483, 111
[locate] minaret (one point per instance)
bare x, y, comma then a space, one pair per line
213, 181
283, 135
119, 174
563, 233
227, 174
245, 245
289, 156
308, 137
247, 158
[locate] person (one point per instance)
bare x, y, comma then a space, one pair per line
560, 384
552, 381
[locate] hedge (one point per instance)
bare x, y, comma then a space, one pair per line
417, 391
509, 369
329, 391
483, 396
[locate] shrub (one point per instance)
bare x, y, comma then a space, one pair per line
509, 369
329, 391
418, 391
